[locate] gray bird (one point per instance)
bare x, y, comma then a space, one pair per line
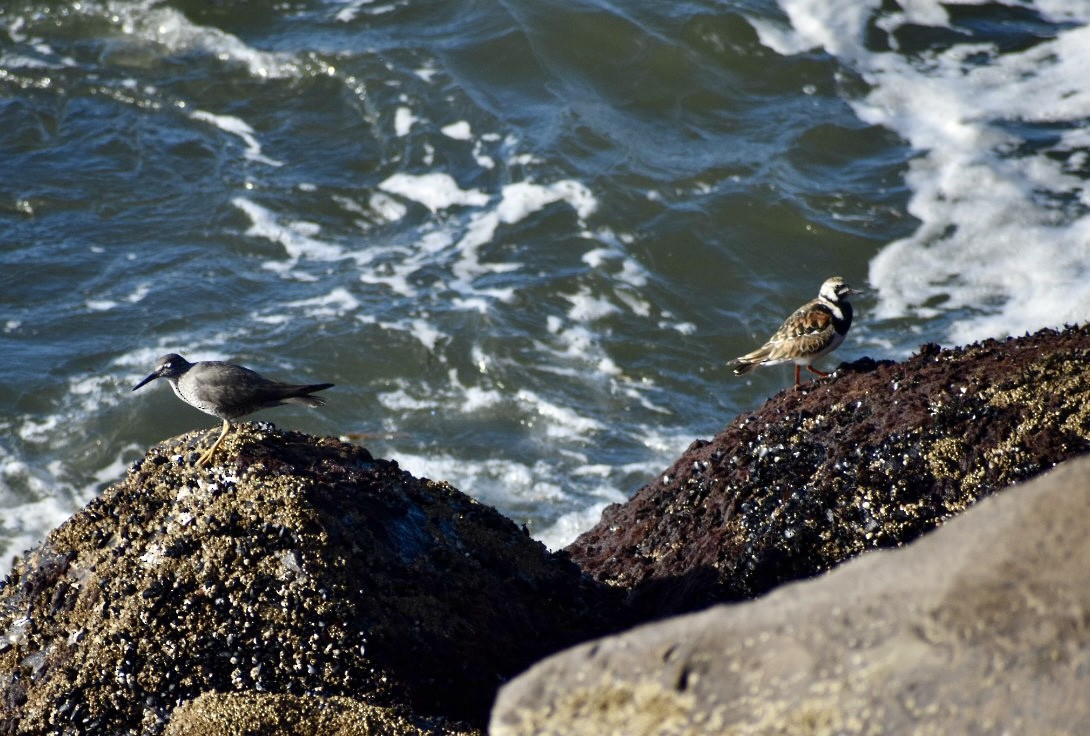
227, 391
815, 329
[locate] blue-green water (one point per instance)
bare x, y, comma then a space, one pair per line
524, 237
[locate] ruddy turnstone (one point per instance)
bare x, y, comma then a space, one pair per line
815, 329
227, 391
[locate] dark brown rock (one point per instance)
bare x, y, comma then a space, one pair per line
296, 566
872, 457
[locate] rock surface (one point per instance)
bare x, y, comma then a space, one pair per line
301, 585
982, 627
295, 567
872, 457
225, 714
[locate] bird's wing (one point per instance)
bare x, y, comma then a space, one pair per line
234, 389
806, 331
813, 318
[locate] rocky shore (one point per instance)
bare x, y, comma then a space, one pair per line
302, 586
873, 458
298, 581
980, 628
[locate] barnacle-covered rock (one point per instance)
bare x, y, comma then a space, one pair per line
295, 566
871, 457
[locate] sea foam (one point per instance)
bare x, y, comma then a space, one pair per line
1003, 244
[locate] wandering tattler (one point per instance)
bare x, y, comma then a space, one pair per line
227, 391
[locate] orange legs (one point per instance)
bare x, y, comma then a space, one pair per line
810, 368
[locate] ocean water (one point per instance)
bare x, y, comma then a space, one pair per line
522, 237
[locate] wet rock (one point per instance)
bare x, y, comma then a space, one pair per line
978, 628
872, 457
297, 567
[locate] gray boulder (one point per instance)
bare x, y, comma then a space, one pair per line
981, 627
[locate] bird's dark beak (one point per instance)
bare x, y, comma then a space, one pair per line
149, 379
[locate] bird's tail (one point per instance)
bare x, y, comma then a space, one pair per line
749, 361
301, 394
741, 367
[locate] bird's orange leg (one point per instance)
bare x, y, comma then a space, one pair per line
812, 369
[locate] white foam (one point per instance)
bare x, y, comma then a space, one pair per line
105, 305
524, 197
564, 481
992, 246
114, 470
25, 526
461, 252
560, 422
564, 530
404, 121
348, 11
138, 293
237, 127
477, 399
459, 131
396, 280
425, 333
296, 237
427, 73
569, 526
684, 328
144, 358
272, 319
45, 58
39, 430
101, 305
479, 231
636, 305
588, 308
400, 400
387, 208
517, 202
488, 480
420, 329
31, 497
472, 304
613, 252
483, 160
170, 29
435, 190
455, 397
11, 61
336, 303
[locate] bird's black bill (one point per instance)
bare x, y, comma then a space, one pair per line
149, 379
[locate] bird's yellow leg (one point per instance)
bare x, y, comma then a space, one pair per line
207, 456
